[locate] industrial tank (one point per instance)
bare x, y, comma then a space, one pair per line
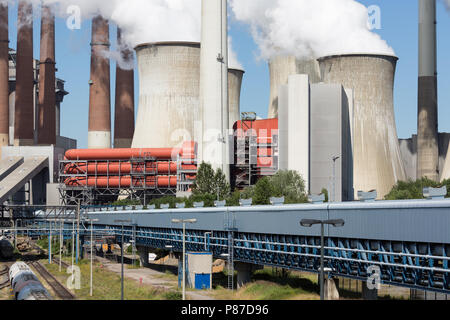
168, 94
234, 95
280, 68
377, 160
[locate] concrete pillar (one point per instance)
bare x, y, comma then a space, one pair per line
124, 106
24, 100
99, 135
143, 256
244, 272
369, 294
331, 289
4, 77
47, 96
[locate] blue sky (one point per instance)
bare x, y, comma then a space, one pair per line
399, 28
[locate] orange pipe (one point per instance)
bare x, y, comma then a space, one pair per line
124, 168
121, 154
116, 182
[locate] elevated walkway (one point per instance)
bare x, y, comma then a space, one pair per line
18, 177
8, 165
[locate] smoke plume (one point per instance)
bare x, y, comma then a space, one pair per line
308, 29
447, 4
141, 21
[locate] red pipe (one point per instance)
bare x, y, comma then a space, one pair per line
124, 168
116, 182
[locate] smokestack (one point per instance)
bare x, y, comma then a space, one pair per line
280, 68
24, 120
4, 76
234, 95
377, 161
169, 109
427, 125
124, 106
47, 96
99, 135
214, 85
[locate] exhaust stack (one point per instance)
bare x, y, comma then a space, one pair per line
99, 136
4, 77
427, 125
124, 107
214, 85
47, 97
24, 120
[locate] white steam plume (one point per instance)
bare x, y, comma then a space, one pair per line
308, 29
143, 21
447, 4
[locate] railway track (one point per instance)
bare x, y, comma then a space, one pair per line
56, 261
61, 291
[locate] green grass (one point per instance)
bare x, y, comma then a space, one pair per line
107, 285
264, 290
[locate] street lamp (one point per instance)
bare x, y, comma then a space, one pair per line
91, 220
121, 253
334, 158
184, 221
309, 223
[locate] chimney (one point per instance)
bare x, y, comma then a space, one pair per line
427, 125
99, 135
124, 106
4, 76
47, 97
214, 85
24, 119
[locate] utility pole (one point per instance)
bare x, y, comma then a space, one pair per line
60, 242
78, 230
121, 253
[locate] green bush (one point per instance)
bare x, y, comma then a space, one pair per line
414, 189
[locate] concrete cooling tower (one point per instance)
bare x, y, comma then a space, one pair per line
280, 68
169, 75
234, 95
377, 160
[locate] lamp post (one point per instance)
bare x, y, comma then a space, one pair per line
184, 221
334, 158
121, 253
92, 236
61, 222
309, 223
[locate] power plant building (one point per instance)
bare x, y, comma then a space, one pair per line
315, 135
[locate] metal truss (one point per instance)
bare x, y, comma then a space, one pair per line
407, 264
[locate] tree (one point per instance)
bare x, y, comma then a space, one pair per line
211, 182
263, 191
325, 192
290, 185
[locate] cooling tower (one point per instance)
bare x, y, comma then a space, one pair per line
168, 94
234, 95
124, 106
377, 160
427, 120
4, 77
214, 85
24, 100
47, 97
99, 135
280, 68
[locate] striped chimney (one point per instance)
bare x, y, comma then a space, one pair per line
47, 97
99, 135
124, 106
4, 76
24, 119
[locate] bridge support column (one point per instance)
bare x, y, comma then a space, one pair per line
244, 272
369, 294
143, 256
330, 287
